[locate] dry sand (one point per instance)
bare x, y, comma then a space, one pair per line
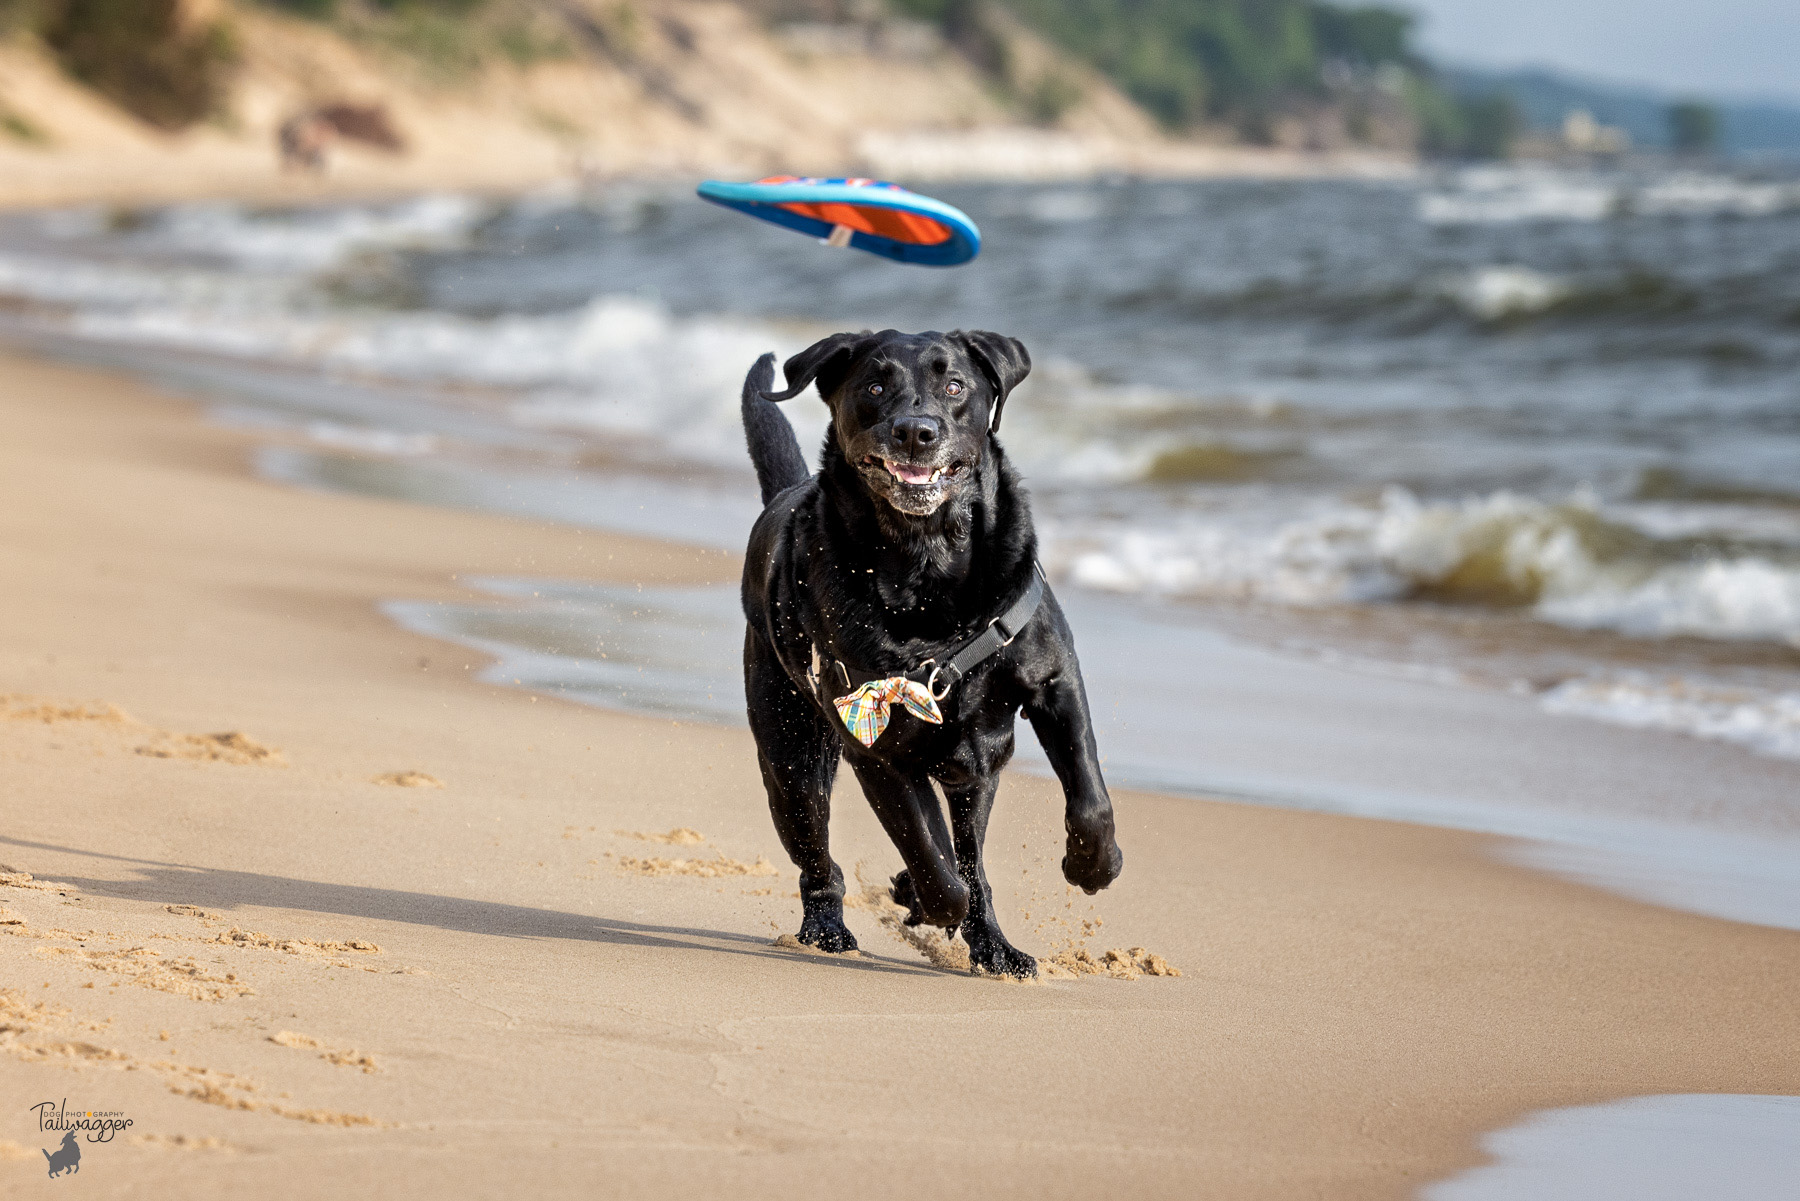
297, 979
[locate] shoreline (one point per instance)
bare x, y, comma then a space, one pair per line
144, 182
1636, 812
1361, 999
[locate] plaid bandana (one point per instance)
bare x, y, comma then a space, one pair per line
865, 711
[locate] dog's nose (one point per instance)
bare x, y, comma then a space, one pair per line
916, 433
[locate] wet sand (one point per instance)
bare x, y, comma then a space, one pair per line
321, 913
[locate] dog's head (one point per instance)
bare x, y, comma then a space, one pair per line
912, 412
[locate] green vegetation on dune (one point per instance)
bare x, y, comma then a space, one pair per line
449, 39
149, 57
1478, 126
142, 55
1192, 60
155, 60
320, 9
1364, 37
1244, 64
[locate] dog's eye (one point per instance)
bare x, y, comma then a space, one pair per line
874, 389
954, 387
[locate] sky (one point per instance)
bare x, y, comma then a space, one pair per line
1721, 48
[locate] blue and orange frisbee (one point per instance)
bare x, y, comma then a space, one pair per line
881, 218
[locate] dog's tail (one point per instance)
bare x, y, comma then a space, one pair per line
774, 450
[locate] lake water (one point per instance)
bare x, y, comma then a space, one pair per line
1472, 498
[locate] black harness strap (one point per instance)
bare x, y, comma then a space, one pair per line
1000, 632
941, 675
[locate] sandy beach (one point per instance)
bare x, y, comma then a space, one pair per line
320, 913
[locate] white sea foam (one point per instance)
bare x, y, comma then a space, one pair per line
1500, 195
370, 440
315, 239
53, 280
615, 365
1491, 293
1690, 192
632, 368
1067, 207
1321, 559
1065, 426
260, 301
1716, 598
1768, 722
1663, 519
1564, 562
1491, 195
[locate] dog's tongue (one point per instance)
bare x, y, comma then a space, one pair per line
910, 475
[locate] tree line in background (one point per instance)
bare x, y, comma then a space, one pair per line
1188, 61
1243, 65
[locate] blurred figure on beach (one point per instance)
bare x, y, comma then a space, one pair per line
304, 138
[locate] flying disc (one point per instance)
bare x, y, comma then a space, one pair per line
881, 218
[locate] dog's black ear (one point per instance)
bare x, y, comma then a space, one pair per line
826, 361
1003, 360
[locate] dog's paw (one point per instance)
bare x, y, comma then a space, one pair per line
1092, 863
907, 898
826, 932
952, 904
996, 957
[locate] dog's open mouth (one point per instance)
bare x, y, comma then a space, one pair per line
915, 476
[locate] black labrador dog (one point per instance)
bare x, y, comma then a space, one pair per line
897, 617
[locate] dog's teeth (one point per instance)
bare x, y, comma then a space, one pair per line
916, 476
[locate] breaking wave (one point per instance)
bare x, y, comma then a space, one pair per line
1182, 470
1505, 195
1767, 722
311, 239
1566, 563
618, 364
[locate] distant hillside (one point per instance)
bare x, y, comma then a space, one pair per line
137, 100
1545, 97
1243, 60
1300, 74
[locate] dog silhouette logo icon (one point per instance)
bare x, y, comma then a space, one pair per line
68, 1159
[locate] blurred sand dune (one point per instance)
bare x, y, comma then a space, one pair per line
688, 88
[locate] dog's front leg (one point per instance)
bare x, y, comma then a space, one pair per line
910, 812
798, 754
1059, 714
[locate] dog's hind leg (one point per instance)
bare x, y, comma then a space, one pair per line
909, 811
989, 951
798, 754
